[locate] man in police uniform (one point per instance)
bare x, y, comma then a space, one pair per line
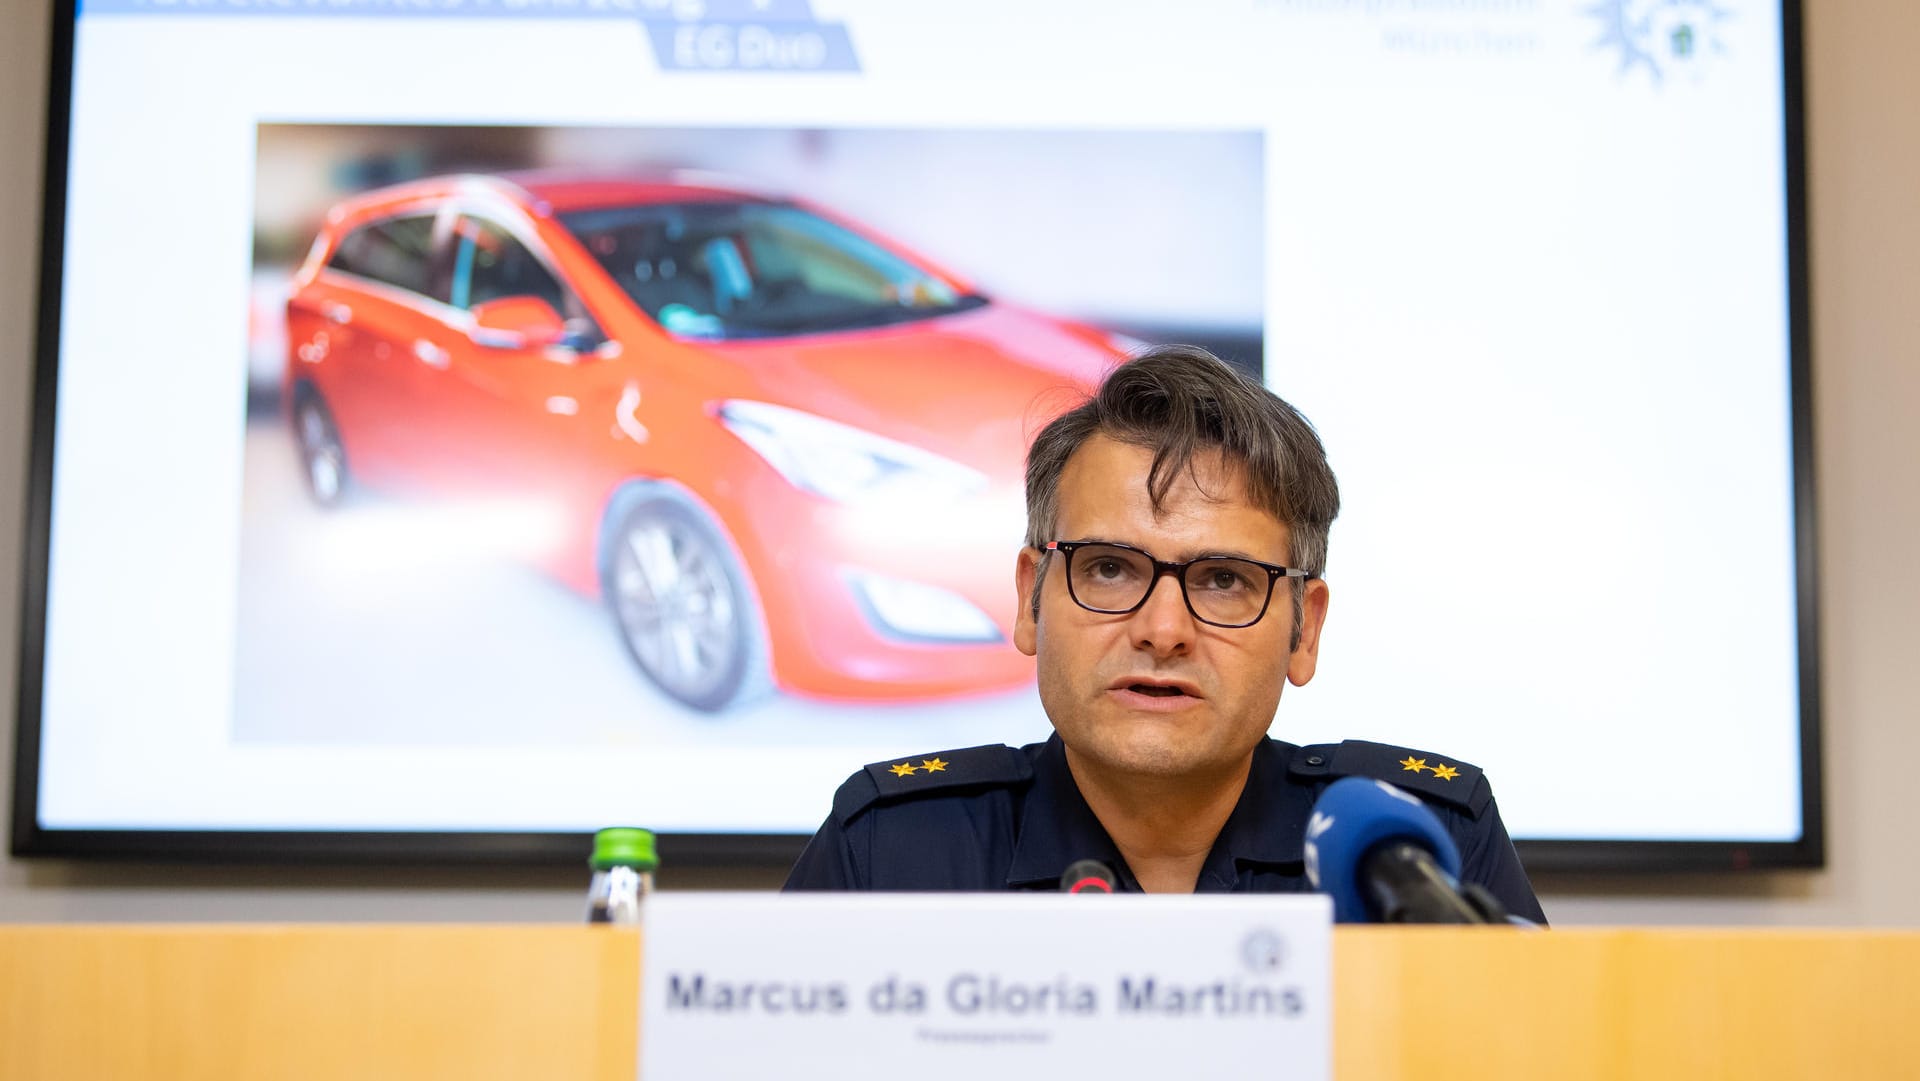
1170, 588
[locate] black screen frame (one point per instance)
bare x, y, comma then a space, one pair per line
29, 839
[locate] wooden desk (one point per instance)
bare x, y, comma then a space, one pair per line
211, 1003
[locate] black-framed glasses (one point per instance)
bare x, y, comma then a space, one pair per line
1116, 579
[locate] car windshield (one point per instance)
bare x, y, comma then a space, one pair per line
757, 270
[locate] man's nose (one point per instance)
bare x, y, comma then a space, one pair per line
1163, 626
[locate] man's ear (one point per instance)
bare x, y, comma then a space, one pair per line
1313, 614
1026, 617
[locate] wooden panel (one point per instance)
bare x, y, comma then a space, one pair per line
476, 1003
213, 1003
1438, 1004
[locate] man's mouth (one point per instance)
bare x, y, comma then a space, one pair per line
1155, 691
1157, 688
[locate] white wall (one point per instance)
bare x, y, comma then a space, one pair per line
1864, 167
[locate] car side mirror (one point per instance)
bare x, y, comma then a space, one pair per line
581, 335
517, 323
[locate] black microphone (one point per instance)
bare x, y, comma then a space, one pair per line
1405, 885
1088, 876
1383, 857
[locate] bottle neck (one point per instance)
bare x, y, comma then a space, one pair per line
616, 893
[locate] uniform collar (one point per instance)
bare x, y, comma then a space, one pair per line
1057, 827
1268, 827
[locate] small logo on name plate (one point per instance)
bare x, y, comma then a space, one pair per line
1262, 951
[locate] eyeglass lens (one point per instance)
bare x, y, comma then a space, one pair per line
1222, 590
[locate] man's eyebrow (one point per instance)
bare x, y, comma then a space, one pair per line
1230, 553
1185, 556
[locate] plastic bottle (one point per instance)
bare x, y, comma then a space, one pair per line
623, 863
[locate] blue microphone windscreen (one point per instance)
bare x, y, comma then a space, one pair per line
1351, 817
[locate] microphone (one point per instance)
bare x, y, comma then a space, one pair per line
1383, 857
1088, 876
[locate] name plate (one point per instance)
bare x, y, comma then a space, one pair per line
951, 986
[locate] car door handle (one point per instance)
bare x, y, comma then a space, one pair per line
336, 313
432, 355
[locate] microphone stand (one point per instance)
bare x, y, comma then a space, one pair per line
1406, 886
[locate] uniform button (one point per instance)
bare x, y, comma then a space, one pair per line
1315, 760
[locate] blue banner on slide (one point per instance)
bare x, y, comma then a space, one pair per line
752, 46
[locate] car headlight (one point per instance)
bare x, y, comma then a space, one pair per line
920, 612
843, 463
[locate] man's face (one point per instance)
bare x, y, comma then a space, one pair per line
1157, 692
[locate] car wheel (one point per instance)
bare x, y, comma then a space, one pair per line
323, 460
680, 599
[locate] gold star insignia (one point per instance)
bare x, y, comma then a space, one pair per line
903, 770
933, 765
1411, 764
1445, 773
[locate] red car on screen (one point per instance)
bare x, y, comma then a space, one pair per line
782, 448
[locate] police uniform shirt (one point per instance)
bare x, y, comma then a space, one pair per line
997, 818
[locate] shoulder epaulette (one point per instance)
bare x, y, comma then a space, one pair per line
1446, 781
901, 778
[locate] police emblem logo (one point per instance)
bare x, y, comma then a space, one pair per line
1661, 37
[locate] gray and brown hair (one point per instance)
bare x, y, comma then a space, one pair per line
1181, 400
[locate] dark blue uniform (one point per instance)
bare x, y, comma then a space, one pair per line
996, 818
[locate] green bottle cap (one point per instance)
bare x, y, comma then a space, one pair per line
624, 846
